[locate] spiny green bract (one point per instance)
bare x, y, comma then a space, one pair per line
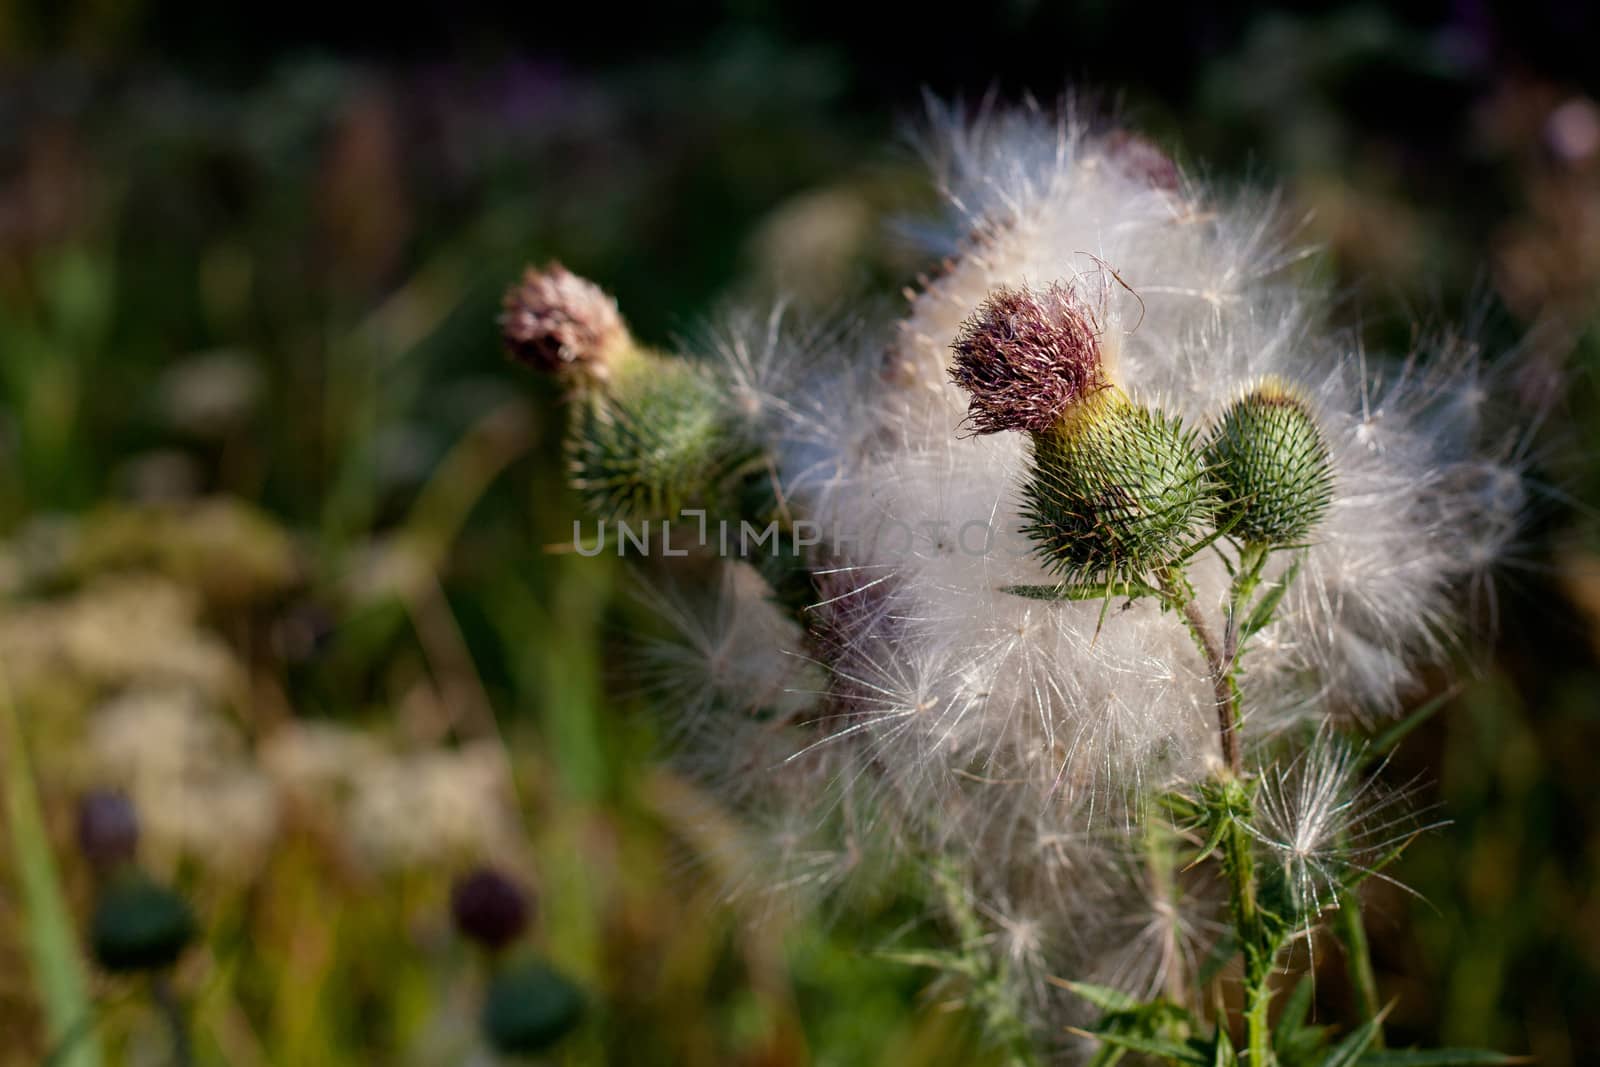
1272, 466
657, 439
1117, 490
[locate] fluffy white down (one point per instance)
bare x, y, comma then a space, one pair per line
1021, 735
1201, 297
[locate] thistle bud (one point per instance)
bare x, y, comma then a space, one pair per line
555, 321
1117, 490
656, 441
1272, 466
529, 1008
108, 829
1025, 355
489, 908
140, 926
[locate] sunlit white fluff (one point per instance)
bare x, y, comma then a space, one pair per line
1018, 738
1326, 818
729, 653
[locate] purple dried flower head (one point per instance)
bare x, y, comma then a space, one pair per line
1025, 355
489, 907
108, 829
554, 320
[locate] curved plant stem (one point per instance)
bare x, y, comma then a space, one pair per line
1223, 687
172, 1012
1177, 592
1230, 809
1256, 939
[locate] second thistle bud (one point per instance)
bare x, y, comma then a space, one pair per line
1117, 490
140, 925
1272, 466
489, 907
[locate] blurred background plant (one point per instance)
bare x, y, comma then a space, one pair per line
272, 501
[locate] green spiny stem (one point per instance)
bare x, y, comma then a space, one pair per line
1240, 864
1231, 809
1222, 658
1358, 958
1257, 1024
1178, 593
1232, 805
1260, 945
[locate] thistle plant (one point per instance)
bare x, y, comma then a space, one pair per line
1086, 579
140, 927
529, 1006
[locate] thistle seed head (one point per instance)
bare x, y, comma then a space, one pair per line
529, 1008
489, 908
1025, 355
1116, 490
555, 321
1272, 465
140, 925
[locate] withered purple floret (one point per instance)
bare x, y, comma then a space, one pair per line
554, 320
1024, 356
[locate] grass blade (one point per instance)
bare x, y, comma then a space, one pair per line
58, 969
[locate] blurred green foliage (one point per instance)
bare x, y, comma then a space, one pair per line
248, 280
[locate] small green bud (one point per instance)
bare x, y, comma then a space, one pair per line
1272, 466
530, 1007
1117, 490
656, 440
140, 926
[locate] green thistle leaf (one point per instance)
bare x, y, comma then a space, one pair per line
1261, 614
1105, 998
1349, 1052
1173, 1051
1293, 1040
1222, 1051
